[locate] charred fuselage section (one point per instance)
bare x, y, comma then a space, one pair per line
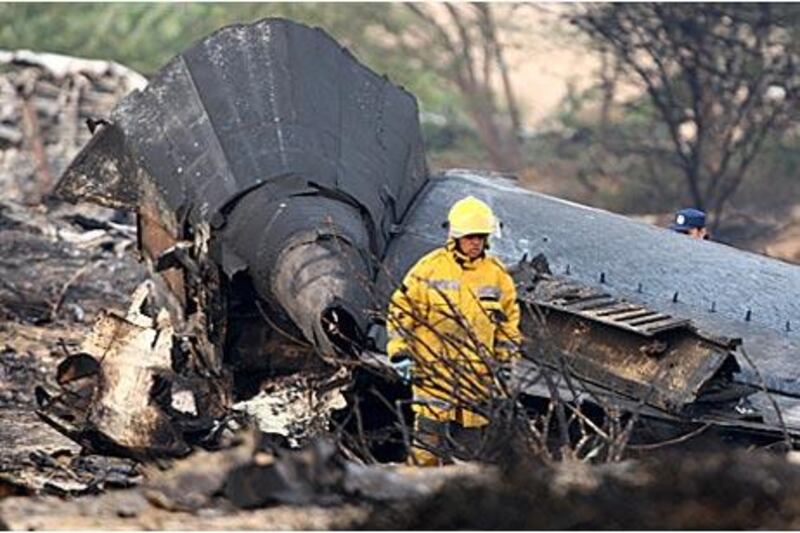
267, 168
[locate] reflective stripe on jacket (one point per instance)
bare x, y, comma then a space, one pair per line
452, 315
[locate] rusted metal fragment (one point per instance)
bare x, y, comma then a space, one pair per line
102, 172
134, 356
155, 238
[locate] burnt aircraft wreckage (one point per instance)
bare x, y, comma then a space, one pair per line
281, 189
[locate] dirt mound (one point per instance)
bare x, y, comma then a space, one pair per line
699, 491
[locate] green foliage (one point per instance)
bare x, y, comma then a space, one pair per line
773, 184
144, 36
625, 164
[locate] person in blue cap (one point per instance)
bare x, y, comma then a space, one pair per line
691, 222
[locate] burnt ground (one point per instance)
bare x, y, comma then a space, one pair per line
58, 268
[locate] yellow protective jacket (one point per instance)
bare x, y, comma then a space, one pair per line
453, 315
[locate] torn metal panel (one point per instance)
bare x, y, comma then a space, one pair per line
154, 240
528, 376
101, 172
667, 371
132, 353
611, 341
135, 390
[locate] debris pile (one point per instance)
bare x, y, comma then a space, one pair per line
249, 480
65, 263
130, 392
45, 103
297, 407
251, 484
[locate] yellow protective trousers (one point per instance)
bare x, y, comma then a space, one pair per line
455, 317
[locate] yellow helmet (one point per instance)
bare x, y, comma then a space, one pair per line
470, 216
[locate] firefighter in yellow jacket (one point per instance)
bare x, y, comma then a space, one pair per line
453, 322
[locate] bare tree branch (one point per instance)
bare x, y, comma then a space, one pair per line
708, 70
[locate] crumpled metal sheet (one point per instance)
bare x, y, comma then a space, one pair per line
120, 413
297, 407
132, 392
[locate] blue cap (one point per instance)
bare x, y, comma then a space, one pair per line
688, 218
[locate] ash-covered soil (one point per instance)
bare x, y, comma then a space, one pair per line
734, 490
59, 267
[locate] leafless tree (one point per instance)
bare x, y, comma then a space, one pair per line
464, 45
722, 78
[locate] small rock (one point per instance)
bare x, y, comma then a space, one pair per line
184, 402
77, 312
130, 505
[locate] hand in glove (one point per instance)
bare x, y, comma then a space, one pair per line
402, 363
504, 374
